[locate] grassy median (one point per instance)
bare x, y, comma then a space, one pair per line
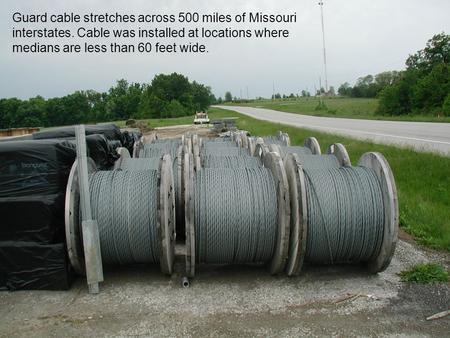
357, 108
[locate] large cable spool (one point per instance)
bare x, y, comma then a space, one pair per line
142, 214
194, 212
351, 226
207, 194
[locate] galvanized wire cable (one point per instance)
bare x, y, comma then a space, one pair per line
124, 203
216, 144
140, 163
318, 161
294, 150
345, 215
274, 140
218, 139
160, 147
235, 215
211, 161
224, 151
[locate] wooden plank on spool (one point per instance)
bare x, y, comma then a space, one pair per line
379, 164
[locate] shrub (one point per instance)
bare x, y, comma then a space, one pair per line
425, 273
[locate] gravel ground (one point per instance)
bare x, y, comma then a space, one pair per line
237, 301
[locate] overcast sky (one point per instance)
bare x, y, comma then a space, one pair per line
362, 36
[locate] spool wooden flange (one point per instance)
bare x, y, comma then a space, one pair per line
196, 152
137, 146
186, 141
238, 139
244, 139
299, 214
179, 197
273, 162
72, 218
189, 213
275, 148
339, 150
286, 139
379, 164
251, 146
166, 214
260, 150
313, 144
123, 153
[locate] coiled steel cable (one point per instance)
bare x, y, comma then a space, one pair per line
294, 150
345, 215
274, 140
160, 147
318, 161
235, 215
211, 161
217, 144
124, 203
224, 151
218, 139
140, 163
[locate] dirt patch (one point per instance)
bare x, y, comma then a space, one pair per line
178, 131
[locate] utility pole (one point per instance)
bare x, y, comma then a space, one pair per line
247, 92
273, 90
324, 49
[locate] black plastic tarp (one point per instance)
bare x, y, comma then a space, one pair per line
35, 167
109, 130
129, 137
34, 266
100, 150
32, 218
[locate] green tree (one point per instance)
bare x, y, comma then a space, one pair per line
175, 109
425, 84
228, 97
345, 89
446, 106
436, 51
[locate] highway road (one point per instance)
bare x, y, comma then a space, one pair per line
422, 136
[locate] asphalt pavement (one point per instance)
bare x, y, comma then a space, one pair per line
422, 136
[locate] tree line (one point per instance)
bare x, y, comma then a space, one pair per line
168, 95
423, 88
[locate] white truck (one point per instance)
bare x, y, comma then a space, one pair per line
201, 118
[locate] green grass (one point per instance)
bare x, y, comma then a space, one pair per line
425, 273
357, 108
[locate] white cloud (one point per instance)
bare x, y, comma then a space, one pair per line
363, 36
